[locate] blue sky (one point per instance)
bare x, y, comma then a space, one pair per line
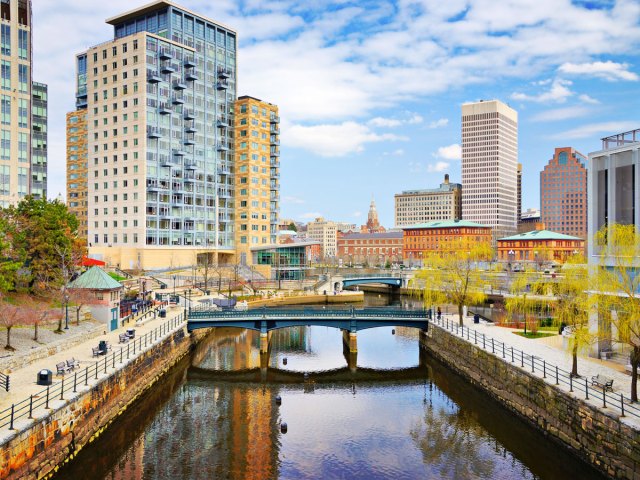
370, 91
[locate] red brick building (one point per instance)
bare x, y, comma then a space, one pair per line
563, 193
370, 248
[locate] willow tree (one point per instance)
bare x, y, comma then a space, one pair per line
522, 298
619, 288
455, 274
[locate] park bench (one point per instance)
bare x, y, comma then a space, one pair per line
73, 363
95, 351
603, 382
123, 338
62, 368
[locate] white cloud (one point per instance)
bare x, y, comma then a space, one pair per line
441, 122
356, 214
450, 152
587, 99
293, 200
608, 70
310, 215
384, 122
334, 140
415, 119
595, 130
396, 153
438, 167
558, 114
558, 93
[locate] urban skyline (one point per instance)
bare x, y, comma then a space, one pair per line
354, 99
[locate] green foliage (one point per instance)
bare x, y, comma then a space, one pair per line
116, 277
451, 274
292, 227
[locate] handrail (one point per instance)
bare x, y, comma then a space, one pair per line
4, 381
551, 374
200, 312
57, 390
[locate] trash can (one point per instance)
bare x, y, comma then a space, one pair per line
163, 313
131, 332
476, 318
102, 346
45, 377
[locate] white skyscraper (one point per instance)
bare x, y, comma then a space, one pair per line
490, 165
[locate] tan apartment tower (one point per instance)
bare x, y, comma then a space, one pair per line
159, 101
257, 175
77, 165
428, 205
490, 166
23, 150
563, 193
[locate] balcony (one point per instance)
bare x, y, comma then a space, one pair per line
189, 115
179, 85
274, 153
223, 72
189, 141
222, 122
168, 68
165, 54
224, 170
222, 85
222, 147
191, 166
275, 129
274, 187
274, 162
275, 141
191, 76
164, 109
274, 173
169, 162
178, 100
81, 102
178, 153
191, 129
153, 132
153, 76
190, 62
274, 119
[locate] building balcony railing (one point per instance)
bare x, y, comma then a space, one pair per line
168, 68
190, 62
178, 152
189, 115
178, 100
164, 109
165, 54
82, 92
275, 142
81, 102
153, 132
191, 129
191, 166
189, 141
275, 129
275, 153
191, 76
153, 76
179, 85
274, 119
224, 72
222, 121
222, 147
222, 85
275, 162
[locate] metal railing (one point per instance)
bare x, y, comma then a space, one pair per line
80, 377
304, 313
4, 381
550, 373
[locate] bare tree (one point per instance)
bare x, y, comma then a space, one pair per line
10, 316
79, 298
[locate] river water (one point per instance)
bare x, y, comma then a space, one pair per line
392, 413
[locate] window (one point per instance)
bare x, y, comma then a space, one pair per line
6, 40
5, 73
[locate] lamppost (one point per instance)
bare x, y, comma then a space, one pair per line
525, 314
66, 311
512, 255
174, 284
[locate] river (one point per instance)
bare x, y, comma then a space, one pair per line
400, 415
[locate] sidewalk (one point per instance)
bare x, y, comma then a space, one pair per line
23, 380
550, 350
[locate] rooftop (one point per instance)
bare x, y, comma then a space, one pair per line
540, 235
281, 246
95, 279
372, 236
447, 224
621, 139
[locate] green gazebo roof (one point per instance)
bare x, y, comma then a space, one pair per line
540, 235
95, 279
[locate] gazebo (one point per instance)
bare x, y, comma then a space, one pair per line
107, 292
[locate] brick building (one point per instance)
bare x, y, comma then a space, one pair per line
369, 248
539, 246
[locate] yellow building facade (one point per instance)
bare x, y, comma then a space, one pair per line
77, 168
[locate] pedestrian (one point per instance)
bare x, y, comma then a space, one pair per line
439, 313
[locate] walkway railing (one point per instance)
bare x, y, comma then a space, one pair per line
552, 374
4, 381
80, 377
303, 313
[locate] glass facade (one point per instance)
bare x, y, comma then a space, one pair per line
39, 141
190, 92
287, 262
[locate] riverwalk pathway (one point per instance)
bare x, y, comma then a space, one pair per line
547, 353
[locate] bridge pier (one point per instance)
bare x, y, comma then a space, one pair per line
264, 343
350, 340
424, 336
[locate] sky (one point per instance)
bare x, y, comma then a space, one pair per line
370, 91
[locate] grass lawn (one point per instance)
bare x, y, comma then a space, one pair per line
116, 277
535, 335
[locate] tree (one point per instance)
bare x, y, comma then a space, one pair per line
11, 256
293, 227
10, 316
452, 274
79, 297
618, 286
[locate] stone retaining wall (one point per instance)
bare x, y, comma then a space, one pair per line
597, 436
38, 450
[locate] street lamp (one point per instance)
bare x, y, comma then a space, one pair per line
512, 255
66, 311
174, 284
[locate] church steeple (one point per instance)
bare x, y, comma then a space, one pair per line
373, 224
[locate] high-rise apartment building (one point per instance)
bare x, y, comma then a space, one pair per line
490, 166
77, 167
23, 132
428, 205
159, 102
563, 193
257, 175
519, 194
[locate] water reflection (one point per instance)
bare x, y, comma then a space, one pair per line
399, 414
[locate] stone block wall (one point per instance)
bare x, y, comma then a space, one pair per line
38, 450
599, 437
